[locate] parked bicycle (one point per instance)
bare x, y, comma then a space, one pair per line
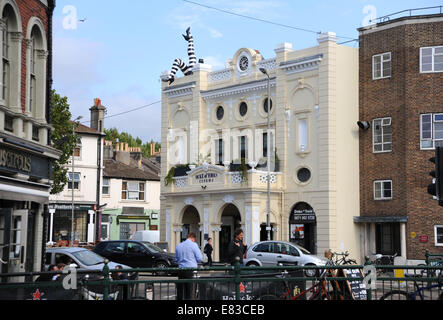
341, 258
419, 292
383, 260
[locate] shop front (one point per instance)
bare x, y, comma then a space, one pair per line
303, 226
25, 171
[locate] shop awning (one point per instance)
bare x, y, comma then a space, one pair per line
16, 193
381, 219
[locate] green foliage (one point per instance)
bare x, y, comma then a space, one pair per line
170, 177
62, 139
113, 134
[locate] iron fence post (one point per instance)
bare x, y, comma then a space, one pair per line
106, 280
369, 290
427, 257
237, 278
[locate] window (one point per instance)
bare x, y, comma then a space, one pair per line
431, 130
243, 152
136, 248
265, 144
303, 135
264, 247
383, 190
9, 123
35, 136
133, 190
303, 175
115, 247
381, 135
5, 61
243, 109
219, 151
76, 181
32, 80
265, 105
105, 186
77, 152
438, 235
431, 59
220, 113
381, 66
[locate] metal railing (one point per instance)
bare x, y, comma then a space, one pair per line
345, 282
410, 13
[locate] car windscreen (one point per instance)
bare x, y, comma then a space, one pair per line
88, 258
152, 247
303, 250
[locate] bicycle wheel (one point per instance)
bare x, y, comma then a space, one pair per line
395, 295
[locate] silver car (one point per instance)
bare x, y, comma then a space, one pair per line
271, 253
80, 258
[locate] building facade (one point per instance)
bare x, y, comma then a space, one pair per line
26, 155
85, 180
401, 101
130, 193
215, 144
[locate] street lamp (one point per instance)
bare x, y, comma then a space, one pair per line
268, 137
72, 182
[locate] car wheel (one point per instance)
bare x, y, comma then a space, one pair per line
161, 265
252, 264
311, 272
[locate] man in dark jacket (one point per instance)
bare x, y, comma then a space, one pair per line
208, 251
237, 247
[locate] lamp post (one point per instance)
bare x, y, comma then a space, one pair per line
72, 183
268, 137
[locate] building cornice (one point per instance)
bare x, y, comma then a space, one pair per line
302, 64
253, 86
179, 90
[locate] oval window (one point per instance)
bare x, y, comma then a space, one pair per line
243, 109
265, 105
220, 113
303, 174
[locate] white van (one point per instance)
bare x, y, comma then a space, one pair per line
152, 236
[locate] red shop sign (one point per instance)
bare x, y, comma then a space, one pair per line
423, 238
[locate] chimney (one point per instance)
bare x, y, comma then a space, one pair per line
98, 115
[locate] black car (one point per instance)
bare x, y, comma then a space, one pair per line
136, 254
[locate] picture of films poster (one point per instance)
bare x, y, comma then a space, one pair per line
297, 231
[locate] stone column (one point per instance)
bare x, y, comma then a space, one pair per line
403, 239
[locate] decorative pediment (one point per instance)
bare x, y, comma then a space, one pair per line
302, 64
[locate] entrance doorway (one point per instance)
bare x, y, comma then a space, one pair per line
231, 220
264, 232
191, 223
303, 227
387, 238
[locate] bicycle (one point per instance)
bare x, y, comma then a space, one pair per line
404, 295
318, 291
343, 260
382, 260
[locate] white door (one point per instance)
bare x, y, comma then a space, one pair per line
18, 238
104, 233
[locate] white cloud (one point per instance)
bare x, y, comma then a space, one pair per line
215, 33
215, 62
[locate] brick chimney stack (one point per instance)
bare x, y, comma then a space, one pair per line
98, 115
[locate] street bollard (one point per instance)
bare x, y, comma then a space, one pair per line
237, 278
106, 280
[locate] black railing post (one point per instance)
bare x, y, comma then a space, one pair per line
237, 278
427, 257
106, 280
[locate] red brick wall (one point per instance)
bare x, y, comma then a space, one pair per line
404, 96
28, 9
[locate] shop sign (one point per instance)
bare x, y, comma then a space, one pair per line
303, 215
206, 177
15, 161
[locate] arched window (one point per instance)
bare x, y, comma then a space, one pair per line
36, 70
11, 36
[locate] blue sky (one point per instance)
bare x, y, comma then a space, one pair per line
118, 53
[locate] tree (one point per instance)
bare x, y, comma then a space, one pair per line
62, 139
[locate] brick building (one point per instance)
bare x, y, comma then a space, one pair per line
26, 155
401, 98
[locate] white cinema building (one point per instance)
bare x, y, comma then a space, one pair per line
211, 120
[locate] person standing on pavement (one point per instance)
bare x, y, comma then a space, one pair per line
208, 251
187, 255
237, 247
